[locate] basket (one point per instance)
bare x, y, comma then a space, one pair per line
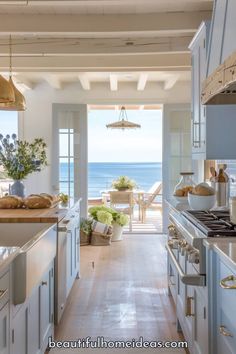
84, 238
98, 239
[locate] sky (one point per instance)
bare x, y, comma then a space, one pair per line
137, 145
107, 145
8, 122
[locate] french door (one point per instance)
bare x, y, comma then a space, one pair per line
70, 157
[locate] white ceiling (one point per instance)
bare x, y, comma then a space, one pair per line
141, 43
103, 7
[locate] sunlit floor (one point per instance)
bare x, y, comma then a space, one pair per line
122, 294
152, 224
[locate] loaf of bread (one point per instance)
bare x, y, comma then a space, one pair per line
203, 189
183, 192
11, 202
37, 201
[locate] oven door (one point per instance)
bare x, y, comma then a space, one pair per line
184, 277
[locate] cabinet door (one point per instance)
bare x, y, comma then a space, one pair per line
200, 330
46, 291
198, 111
228, 44
215, 51
4, 329
20, 332
33, 323
69, 261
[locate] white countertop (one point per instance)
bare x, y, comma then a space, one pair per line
174, 203
226, 249
7, 254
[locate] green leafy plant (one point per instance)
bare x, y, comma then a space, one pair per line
64, 198
100, 213
104, 217
86, 226
20, 158
123, 183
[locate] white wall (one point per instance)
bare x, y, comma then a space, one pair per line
37, 119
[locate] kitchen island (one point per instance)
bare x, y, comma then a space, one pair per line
39, 262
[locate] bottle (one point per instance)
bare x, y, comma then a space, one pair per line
221, 176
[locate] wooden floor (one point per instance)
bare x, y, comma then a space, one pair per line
122, 293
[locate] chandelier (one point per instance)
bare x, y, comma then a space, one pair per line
123, 122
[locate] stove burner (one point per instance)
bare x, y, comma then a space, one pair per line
212, 223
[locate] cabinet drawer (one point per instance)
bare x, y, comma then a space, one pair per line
226, 332
4, 289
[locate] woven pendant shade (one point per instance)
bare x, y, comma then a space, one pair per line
18, 104
6, 91
123, 122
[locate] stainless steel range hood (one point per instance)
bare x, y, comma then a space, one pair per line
220, 87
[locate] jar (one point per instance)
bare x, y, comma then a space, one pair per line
185, 184
232, 209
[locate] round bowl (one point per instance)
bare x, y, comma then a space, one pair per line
201, 202
181, 199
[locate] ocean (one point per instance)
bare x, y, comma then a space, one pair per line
101, 175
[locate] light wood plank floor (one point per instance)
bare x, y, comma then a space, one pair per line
122, 293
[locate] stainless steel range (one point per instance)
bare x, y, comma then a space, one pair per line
187, 271
187, 231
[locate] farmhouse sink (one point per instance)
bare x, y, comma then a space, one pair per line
37, 244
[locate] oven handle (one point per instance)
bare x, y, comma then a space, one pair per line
188, 279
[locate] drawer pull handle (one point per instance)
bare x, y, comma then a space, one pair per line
188, 312
3, 293
224, 285
224, 332
44, 283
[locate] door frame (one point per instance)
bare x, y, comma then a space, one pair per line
83, 150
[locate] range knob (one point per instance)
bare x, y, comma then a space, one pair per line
172, 231
182, 245
188, 249
174, 243
193, 257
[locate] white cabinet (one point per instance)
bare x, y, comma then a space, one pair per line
4, 329
200, 321
222, 298
46, 307
222, 43
72, 260
199, 53
213, 127
32, 324
216, 37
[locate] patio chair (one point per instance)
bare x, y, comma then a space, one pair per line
148, 200
123, 202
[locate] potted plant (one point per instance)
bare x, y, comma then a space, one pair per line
120, 220
124, 183
85, 231
20, 158
112, 217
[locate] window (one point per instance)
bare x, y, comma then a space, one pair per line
8, 122
66, 161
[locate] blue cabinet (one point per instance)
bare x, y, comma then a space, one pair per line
213, 127
222, 310
32, 323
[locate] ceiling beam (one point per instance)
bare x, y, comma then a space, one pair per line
24, 82
142, 81
84, 81
53, 81
170, 82
152, 62
113, 82
81, 46
103, 25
